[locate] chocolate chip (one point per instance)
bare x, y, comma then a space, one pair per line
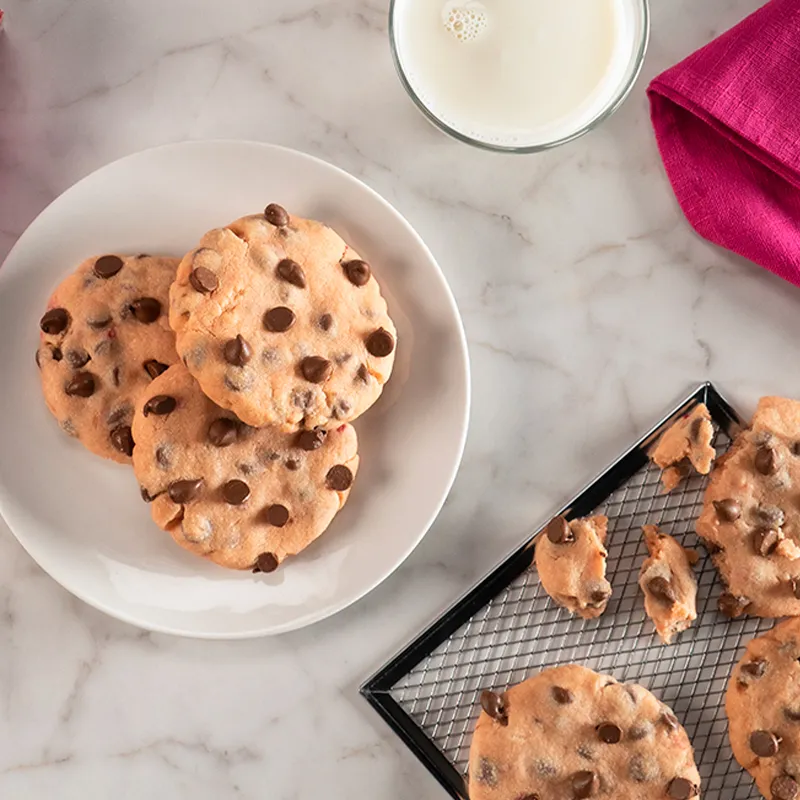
380, 343
276, 515
765, 540
598, 596
494, 705
146, 496
146, 309
766, 460
236, 492
793, 715
732, 605
279, 319
641, 770
116, 376
638, 732
559, 532
339, 478
609, 733
311, 440
292, 464
695, 428
237, 352
785, 787
203, 280
771, 515
362, 373
302, 399
55, 321
728, 510
266, 562
584, 784
316, 369
562, 696
107, 266
662, 590
81, 385
223, 432
357, 272
487, 772
160, 405
122, 439
155, 368
99, 321
764, 744
681, 789
291, 272
78, 358
325, 322
184, 491
163, 457
276, 215
755, 668
669, 720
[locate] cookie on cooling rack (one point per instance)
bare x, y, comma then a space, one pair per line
685, 445
571, 562
763, 707
104, 337
281, 322
668, 583
751, 519
242, 497
570, 733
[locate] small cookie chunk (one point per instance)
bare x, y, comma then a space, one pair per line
569, 733
685, 444
763, 707
668, 583
242, 497
571, 561
282, 323
751, 519
105, 336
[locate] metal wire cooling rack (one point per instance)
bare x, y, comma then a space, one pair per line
507, 628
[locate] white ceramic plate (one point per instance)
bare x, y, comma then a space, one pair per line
81, 518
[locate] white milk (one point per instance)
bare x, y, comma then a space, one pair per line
516, 73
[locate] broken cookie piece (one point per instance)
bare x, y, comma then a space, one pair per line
571, 561
685, 445
668, 583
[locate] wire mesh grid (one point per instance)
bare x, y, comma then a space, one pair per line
521, 631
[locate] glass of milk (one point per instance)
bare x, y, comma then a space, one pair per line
518, 75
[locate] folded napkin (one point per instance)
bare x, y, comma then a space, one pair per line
727, 121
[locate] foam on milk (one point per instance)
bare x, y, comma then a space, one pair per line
516, 73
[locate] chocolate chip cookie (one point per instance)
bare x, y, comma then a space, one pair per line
751, 519
569, 733
668, 583
242, 497
763, 707
684, 445
104, 337
571, 561
281, 322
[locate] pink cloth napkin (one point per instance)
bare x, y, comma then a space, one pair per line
727, 121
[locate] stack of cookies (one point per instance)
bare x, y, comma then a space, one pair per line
229, 380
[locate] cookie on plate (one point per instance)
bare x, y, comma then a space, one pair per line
282, 323
686, 444
751, 519
243, 497
763, 707
104, 337
569, 733
571, 562
668, 583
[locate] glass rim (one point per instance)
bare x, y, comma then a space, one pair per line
618, 99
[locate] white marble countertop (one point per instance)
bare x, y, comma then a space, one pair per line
589, 305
